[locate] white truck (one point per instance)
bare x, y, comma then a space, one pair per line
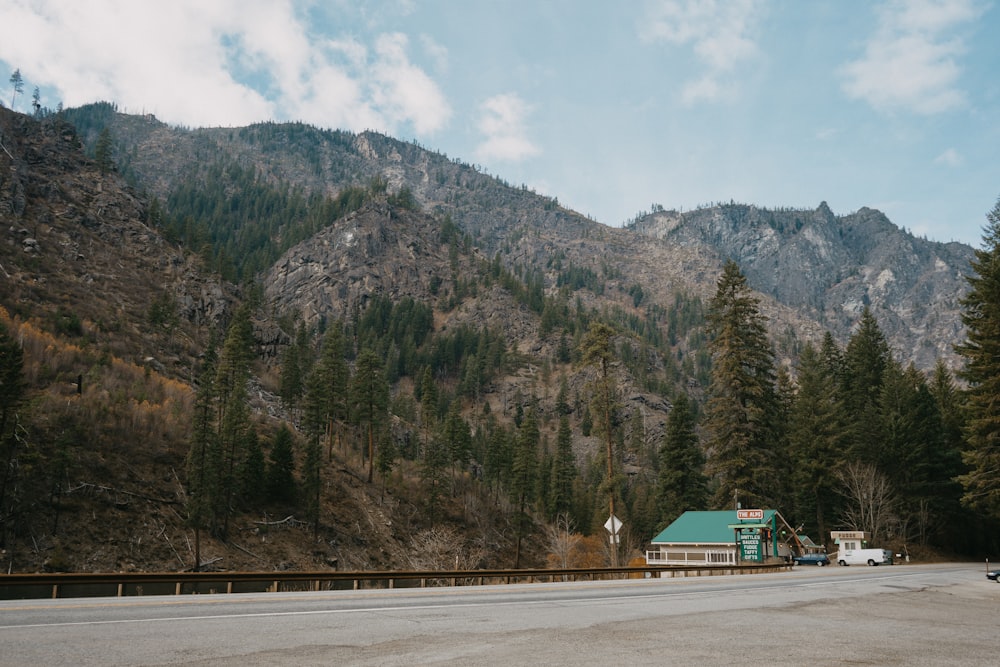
852, 549
863, 556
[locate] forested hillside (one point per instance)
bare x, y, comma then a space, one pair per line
348, 351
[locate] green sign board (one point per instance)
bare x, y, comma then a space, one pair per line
750, 546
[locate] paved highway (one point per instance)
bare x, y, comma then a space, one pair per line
900, 615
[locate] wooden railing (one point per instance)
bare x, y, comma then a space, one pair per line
43, 585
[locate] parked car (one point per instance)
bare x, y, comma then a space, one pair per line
994, 575
811, 559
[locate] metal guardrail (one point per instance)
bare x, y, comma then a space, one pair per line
44, 585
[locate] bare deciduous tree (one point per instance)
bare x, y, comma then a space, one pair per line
871, 502
561, 541
443, 548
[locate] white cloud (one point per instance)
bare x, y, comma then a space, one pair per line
403, 91
436, 52
223, 62
704, 89
911, 60
949, 158
503, 125
719, 33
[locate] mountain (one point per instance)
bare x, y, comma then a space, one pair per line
119, 278
816, 270
829, 267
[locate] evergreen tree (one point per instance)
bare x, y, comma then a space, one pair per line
596, 351
104, 152
950, 406
234, 435
13, 390
434, 470
637, 433
457, 437
564, 472
315, 406
742, 402
919, 464
292, 384
562, 398
281, 467
831, 357
681, 484
784, 392
232, 412
957, 523
498, 459
253, 474
815, 432
981, 352
385, 457
563, 352
370, 398
202, 458
428, 399
586, 422
643, 515
312, 481
328, 396
315, 417
543, 480
524, 473
900, 455
865, 360
17, 83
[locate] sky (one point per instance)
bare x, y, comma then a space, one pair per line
611, 107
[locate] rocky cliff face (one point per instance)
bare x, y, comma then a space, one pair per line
376, 250
830, 267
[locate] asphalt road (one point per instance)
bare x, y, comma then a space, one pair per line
901, 615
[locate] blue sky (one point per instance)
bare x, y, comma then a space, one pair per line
610, 107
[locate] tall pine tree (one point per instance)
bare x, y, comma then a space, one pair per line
981, 352
742, 404
865, 361
564, 472
327, 400
281, 467
233, 414
370, 398
681, 485
524, 472
203, 459
815, 433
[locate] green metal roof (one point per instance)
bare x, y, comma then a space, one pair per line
706, 527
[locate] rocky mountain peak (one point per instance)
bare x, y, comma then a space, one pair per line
830, 267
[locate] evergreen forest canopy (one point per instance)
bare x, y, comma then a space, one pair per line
847, 438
